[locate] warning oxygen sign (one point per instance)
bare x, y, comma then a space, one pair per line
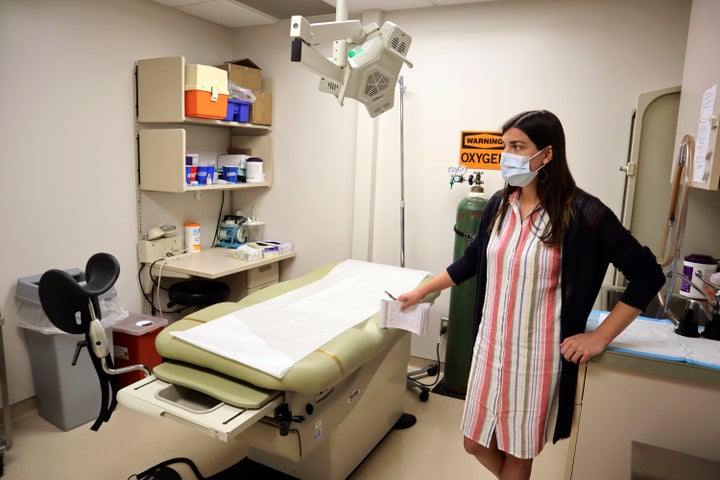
481, 150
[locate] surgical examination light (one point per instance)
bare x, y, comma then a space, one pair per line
366, 61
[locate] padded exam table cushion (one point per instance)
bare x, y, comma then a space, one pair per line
220, 377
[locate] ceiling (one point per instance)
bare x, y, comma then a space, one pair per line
247, 13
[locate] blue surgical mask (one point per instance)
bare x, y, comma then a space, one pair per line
515, 168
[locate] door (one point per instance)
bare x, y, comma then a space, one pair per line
649, 167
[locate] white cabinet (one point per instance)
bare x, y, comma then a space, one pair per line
164, 132
629, 400
701, 72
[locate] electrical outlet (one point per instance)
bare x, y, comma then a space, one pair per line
151, 250
444, 322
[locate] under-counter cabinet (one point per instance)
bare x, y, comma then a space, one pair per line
638, 414
165, 134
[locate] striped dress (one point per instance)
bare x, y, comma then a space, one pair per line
512, 390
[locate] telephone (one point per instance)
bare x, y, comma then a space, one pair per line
161, 231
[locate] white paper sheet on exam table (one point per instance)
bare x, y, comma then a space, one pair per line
273, 335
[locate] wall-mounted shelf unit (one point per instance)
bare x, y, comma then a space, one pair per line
162, 160
164, 131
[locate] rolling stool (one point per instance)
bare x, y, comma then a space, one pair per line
197, 293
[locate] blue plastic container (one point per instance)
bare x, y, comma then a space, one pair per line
238, 111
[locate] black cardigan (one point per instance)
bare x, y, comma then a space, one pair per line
595, 238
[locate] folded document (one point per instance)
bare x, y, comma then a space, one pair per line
413, 319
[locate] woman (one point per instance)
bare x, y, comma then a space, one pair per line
540, 255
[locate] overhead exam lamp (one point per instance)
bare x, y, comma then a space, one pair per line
366, 60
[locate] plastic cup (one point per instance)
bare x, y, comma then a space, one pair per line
202, 174
190, 175
231, 173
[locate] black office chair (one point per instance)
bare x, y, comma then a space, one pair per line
62, 296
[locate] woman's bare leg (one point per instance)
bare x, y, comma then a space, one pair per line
516, 468
502, 465
491, 458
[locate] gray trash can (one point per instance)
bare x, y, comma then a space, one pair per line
67, 395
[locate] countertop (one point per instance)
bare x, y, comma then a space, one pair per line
656, 366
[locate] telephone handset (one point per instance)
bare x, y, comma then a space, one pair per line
161, 231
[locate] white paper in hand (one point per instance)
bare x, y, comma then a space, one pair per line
413, 319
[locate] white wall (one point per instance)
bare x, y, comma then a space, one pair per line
311, 200
476, 66
68, 148
68, 141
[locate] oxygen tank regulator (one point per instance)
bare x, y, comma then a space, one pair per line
457, 175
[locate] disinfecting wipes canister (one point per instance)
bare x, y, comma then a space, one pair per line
692, 264
192, 237
254, 170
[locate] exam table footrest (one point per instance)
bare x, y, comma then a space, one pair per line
217, 419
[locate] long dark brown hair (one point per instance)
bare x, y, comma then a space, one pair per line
556, 187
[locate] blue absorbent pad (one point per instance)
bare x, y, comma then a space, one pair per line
656, 338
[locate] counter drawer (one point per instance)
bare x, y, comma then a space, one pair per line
262, 276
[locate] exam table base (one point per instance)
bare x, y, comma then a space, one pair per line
346, 423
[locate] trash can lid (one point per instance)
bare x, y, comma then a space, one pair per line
139, 324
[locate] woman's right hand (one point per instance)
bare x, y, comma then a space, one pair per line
436, 284
410, 298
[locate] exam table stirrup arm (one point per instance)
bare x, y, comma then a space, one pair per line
101, 349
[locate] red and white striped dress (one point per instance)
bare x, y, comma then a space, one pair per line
516, 360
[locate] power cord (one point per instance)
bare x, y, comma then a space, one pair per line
217, 226
434, 370
162, 471
156, 285
430, 370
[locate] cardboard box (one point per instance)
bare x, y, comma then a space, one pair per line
244, 73
261, 110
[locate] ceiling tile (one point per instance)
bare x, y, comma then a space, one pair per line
228, 13
284, 9
358, 6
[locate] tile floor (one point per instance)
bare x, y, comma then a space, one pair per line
132, 442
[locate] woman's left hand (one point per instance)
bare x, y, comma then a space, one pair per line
582, 347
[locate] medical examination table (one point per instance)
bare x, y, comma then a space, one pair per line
318, 421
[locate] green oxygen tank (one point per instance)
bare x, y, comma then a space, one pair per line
460, 339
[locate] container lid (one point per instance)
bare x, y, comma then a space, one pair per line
701, 258
205, 77
27, 288
138, 324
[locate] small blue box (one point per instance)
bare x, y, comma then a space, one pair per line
238, 111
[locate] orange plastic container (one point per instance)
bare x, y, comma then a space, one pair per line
198, 103
206, 91
134, 343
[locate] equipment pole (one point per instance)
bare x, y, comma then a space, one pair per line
402, 172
